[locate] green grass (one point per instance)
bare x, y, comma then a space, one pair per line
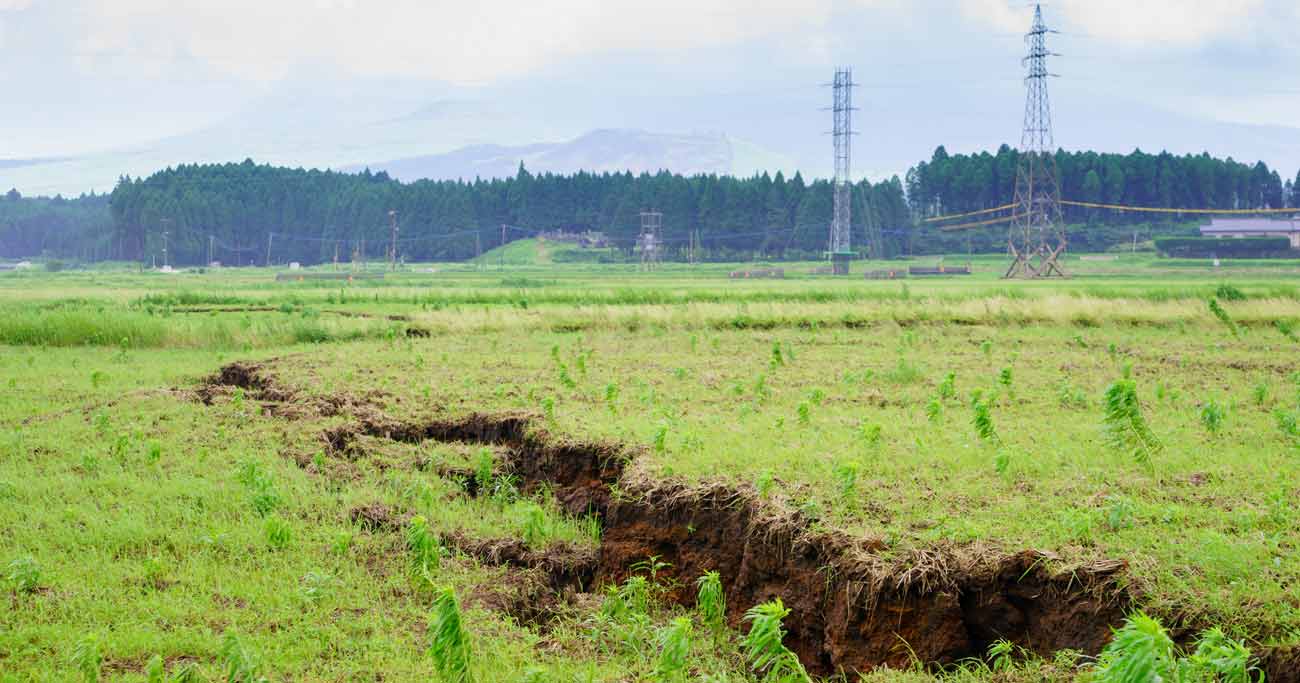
141, 524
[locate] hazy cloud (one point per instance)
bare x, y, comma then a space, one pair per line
1146, 23
452, 41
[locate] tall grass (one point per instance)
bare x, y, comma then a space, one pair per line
133, 329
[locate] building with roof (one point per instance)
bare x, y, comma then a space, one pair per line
1227, 228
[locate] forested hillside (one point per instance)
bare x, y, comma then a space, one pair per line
79, 228
957, 183
239, 210
311, 211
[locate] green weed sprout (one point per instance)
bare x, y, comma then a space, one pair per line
1223, 317
674, 647
87, 658
278, 533
241, 663
1212, 415
448, 641
711, 602
156, 672
767, 654
535, 527
424, 547
1143, 651
948, 387
982, 420
1126, 428
23, 574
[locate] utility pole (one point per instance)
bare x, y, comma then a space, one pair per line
165, 222
478, 250
1037, 236
336, 255
838, 249
392, 249
269, 237
502, 252
211, 239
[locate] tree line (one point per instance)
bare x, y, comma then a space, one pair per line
79, 228
244, 212
949, 184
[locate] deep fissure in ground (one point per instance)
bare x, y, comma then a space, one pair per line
855, 605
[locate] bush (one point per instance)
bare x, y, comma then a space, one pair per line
1205, 247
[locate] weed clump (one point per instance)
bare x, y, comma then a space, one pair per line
711, 602
1143, 651
423, 545
23, 574
674, 646
767, 654
1126, 428
241, 663
1223, 317
449, 643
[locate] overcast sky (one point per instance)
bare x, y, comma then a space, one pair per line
81, 75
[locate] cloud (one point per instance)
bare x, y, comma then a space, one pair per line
440, 39
1176, 23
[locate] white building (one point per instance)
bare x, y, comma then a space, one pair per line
1254, 227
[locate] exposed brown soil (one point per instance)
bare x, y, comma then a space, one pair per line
855, 605
568, 568
1282, 665
377, 517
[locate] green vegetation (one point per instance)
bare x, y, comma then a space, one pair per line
161, 527
1246, 247
223, 212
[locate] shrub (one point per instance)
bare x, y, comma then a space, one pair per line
1246, 247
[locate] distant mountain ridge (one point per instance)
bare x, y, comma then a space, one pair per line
605, 150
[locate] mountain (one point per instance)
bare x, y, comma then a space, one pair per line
610, 150
417, 128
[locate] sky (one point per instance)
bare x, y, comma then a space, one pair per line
84, 76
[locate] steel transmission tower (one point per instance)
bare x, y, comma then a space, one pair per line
652, 223
1037, 236
842, 109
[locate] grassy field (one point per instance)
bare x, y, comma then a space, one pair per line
526, 468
